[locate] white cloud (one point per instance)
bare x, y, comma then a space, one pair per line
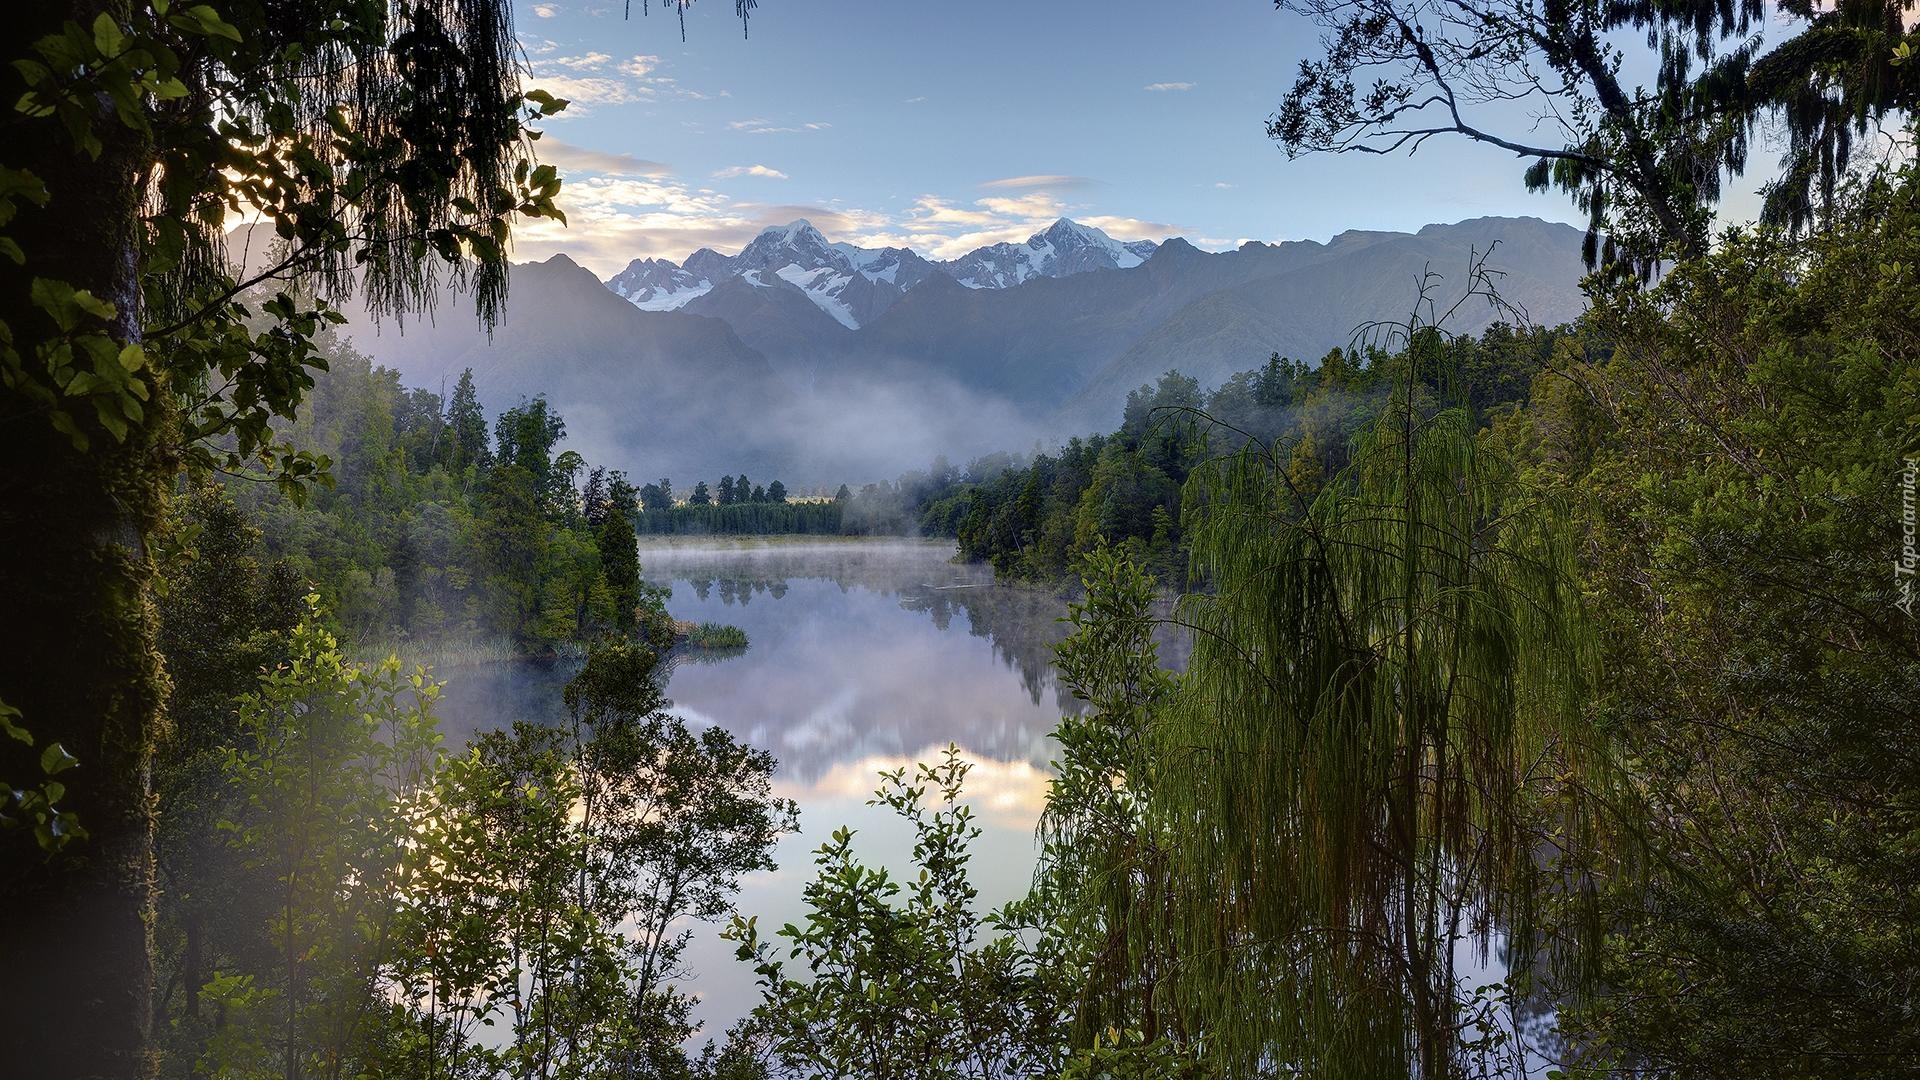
546, 11
1033, 207
622, 207
763, 126
1050, 180
916, 100
1161, 87
1222, 185
762, 171
585, 92
595, 78
1126, 228
640, 66
573, 159
588, 62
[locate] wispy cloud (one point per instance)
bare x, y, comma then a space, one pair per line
1163, 87
546, 11
1054, 181
572, 158
595, 78
587, 62
916, 100
732, 171
624, 208
763, 126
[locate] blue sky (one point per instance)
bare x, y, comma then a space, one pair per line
945, 125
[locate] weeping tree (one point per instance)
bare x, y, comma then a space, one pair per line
1352, 778
384, 147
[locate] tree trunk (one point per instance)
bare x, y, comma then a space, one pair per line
77, 654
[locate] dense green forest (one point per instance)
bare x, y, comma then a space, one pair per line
1589, 653
1034, 520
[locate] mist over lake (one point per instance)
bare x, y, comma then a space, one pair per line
863, 656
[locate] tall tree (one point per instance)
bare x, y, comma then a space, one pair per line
701, 496
136, 126
620, 562
468, 426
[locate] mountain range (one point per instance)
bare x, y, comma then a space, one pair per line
825, 361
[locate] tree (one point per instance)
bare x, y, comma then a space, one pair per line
1351, 770
899, 983
701, 496
1735, 467
776, 492
759, 494
620, 561
726, 491
622, 494
136, 127
467, 424
742, 489
332, 759
1103, 866
844, 494
1644, 162
594, 500
525, 437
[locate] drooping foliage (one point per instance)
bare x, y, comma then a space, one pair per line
1346, 777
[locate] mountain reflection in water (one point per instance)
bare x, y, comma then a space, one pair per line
862, 656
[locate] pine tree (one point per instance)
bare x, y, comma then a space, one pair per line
468, 424
620, 561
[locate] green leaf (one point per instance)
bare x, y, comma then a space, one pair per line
107, 36
55, 760
212, 24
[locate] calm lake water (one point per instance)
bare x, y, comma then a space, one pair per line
863, 656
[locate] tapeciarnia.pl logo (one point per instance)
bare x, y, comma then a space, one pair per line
1909, 560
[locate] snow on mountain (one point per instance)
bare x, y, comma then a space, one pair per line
855, 284
658, 285
1065, 247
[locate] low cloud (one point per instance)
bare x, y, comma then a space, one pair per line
1164, 87
762, 171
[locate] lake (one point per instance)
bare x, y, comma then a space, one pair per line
862, 656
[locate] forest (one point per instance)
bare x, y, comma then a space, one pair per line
1550, 710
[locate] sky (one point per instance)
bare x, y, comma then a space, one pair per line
946, 125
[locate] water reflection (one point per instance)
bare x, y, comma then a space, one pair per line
858, 650
863, 656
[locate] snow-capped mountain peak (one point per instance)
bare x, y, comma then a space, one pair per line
1062, 248
658, 285
854, 284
